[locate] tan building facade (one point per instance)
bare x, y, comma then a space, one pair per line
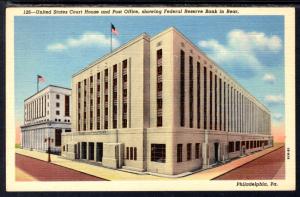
46, 114
160, 105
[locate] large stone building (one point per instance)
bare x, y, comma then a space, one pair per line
46, 114
160, 105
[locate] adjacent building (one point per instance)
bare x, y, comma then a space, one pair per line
46, 114
160, 105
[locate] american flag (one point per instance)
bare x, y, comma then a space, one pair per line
41, 79
114, 30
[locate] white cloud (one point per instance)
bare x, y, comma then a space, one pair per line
274, 99
242, 47
250, 41
87, 39
56, 47
269, 78
277, 116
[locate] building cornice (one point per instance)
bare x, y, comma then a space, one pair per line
47, 87
48, 123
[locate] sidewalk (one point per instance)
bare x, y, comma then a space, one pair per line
213, 173
111, 174
97, 171
23, 176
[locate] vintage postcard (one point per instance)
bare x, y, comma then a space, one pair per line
150, 98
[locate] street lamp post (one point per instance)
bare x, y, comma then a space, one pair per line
49, 140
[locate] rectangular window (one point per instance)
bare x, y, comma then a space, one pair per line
232, 119
57, 112
159, 121
134, 153
197, 150
243, 144
124, 89
84, 150
115, 97
182, 94
45, 105
205, 99
131, 153
189, 151
225, 106
67, 105
237, 146
220, 104
191, 96
234, 111
179, 152
238, 112
106, 99
210, 100
91, 102
91, 150
159, 100
228, 115
198, 95
98, 101
216, 102
127, 152
84, 105
231, 147
158, 153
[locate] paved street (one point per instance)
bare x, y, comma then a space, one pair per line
33, 169
269, 166
270, 163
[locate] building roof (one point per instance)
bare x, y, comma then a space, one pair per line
55, 86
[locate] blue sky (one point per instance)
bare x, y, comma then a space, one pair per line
249, 48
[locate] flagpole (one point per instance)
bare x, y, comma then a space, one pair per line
110, 37
37, 83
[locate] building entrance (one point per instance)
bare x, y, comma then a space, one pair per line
99, 153
58, 137
91, 150
83, 148
216, 152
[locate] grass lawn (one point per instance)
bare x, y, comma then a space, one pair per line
17, 145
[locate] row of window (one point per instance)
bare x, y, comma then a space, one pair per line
91, 97
81, 149
236, 146
188, 152
159, 88
131, 153
232, 110
158, 152
35, 109
59, 120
